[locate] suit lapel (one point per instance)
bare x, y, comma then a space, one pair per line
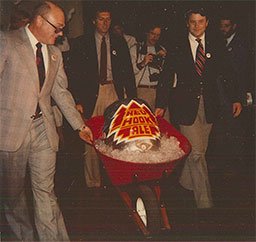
26, 53
189, 51
52, 67
94, 54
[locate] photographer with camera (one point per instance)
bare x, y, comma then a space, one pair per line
149, 64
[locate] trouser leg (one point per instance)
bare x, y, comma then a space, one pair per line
42, 161
106, 96
195, 174
13, 168
91, 167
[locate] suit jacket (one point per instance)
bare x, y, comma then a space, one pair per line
19, 91
184, 98
84, 72
239, 57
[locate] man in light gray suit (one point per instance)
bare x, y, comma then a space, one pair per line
28, 137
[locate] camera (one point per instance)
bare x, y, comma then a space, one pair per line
157, 62
154, 77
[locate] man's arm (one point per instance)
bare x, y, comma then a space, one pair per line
3, 51
163, 87
129, 78
66, 103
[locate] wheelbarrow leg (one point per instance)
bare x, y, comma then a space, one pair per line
136, 218
165, 220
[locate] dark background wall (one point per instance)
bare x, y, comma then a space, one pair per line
135, 14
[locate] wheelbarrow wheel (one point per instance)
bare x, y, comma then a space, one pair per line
147, 207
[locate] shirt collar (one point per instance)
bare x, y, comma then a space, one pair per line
229, 39
31, 37
193, 38
99, 36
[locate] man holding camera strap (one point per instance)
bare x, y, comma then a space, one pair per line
149, 64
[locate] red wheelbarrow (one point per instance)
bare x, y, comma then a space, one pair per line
138, 183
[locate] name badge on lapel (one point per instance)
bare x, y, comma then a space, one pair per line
54, 57
114, 52
208, 55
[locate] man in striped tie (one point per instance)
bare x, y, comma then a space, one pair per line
197, 61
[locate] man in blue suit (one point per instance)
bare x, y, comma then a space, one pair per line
197, 61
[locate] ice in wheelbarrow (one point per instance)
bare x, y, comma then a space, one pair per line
169, 150
131, 133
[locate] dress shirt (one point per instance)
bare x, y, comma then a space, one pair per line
146, 71
194, 44
44, 49
131, 41
229, 39
98, 39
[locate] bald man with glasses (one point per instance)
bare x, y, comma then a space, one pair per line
32, 73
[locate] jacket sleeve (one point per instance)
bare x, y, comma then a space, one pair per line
230, 80
129, 81
165, 83
64, 99
73, 71
3, 52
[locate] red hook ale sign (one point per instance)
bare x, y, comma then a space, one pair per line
131, 121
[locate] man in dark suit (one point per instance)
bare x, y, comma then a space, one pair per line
99, 79
197, 62
232, 132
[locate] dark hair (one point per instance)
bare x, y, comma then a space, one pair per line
100, 10
117, 22
228, 16
200, 11
151, 26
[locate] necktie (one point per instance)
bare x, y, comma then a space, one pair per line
41, 73
200, 58
40, 64
226, 42
103, 61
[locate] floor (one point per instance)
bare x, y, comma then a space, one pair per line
101, 215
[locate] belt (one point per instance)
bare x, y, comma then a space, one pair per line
106, 82
36, 115
148, 86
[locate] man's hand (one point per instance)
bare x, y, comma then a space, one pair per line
161, 53
80, 108
86, 135
147, 59
237, 108
159, 112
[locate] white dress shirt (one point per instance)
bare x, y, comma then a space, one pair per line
44, 49
194, 44
98, 39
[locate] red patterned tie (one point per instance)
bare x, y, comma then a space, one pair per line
200, 58
41, 73
40, 64
103, 61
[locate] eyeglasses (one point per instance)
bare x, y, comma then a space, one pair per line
57, 29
